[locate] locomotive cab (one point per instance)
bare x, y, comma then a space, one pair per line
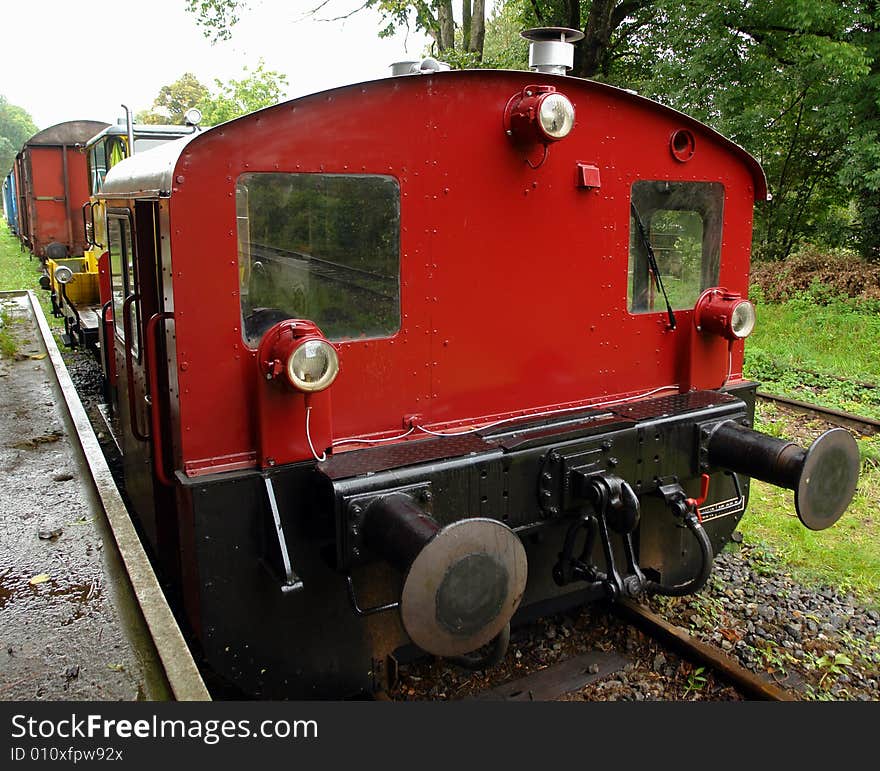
473, 350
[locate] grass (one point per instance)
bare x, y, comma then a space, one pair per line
819, 349
845, 556
823, 349
8, 345
19, 271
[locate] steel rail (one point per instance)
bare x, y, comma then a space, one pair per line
749, 683
865, 425
176, 659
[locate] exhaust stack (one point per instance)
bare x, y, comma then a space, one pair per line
551, 50
427, 66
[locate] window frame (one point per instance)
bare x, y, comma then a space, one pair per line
129, 276
711, 215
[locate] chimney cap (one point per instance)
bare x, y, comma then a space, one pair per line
552, 34
550, 49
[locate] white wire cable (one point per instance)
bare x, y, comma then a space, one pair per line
353, 440
547, 413
729, 364
323, 455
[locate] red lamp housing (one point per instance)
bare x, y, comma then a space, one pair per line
296, 353
724, 313
538, 114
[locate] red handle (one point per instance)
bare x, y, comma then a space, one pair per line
695, 503
151, 347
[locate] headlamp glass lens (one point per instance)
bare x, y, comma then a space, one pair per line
742, 320
313, 366
556, 116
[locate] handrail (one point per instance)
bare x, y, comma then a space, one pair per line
92, 206
87, 232
105, 348
70, 304
129, 368
151, 347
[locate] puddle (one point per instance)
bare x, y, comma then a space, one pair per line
59, 636
70, 600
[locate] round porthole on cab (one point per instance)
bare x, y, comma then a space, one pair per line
683, 145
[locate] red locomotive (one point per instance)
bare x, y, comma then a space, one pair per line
405, 361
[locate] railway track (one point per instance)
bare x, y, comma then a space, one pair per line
572, 674
864, 425
750, 684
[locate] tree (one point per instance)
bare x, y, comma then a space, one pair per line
860, 170
16, 127
258, 88
174, 100
216, 17
434, 17
777, 77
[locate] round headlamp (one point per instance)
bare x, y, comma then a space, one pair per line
193, 116
556, 116
724, 313
742, 320
295, 354
313, 365
538, 114
63, 274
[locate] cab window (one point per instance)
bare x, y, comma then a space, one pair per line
97, 166
682, 223
122, 276
322, 247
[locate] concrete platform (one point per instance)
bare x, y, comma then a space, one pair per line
71, 626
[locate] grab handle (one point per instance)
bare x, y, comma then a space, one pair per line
129, 367
151, 349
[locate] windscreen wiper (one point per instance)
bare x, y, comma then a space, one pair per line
652, 263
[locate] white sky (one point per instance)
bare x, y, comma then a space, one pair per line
61, 60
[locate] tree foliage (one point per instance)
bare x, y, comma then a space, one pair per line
435, 18
16, 127
780, 77
258, 88
795, 82
860, 169
174, 100
216, 17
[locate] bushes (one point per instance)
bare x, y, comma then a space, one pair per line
824, 276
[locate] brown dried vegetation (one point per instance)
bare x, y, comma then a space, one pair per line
840, 273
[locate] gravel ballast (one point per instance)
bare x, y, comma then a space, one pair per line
815, 642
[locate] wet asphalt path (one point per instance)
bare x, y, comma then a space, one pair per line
68, 628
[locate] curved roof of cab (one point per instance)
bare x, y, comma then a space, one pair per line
72, 132
150, 173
